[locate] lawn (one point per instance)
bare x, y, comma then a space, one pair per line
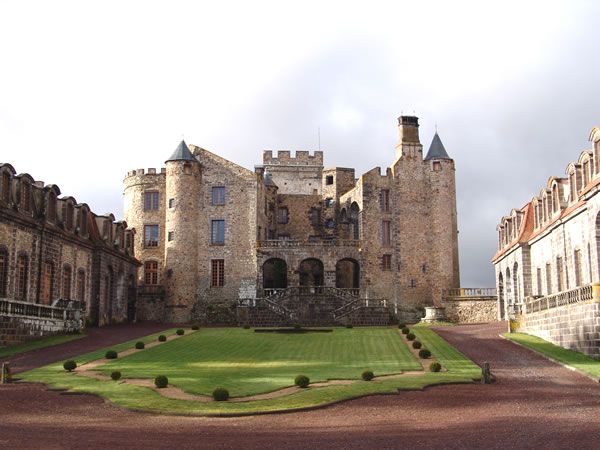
572, 358
341, 354
248, 363
28, 346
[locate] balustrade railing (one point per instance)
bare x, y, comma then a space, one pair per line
25, 309
579, 294
469, 292
287, 243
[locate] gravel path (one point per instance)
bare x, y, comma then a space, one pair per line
534, 404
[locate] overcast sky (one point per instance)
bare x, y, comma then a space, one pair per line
90, 90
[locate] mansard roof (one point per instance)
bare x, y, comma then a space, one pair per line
436, 149
182, 153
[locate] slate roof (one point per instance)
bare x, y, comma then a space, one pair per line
436, 149
182, 153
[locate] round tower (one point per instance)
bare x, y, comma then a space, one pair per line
182, 200
444, 270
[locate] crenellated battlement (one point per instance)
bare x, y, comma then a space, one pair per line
301, 158
149, 171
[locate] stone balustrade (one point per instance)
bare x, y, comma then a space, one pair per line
576, 295
469, 292
289, 243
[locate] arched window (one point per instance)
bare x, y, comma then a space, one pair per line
6, 187
572, 187
68, 214
83, 218
501, 295
347, 274
274, 274
577, 267
22, 277
47, 283
25, 201
67, 279
51, 211
3, 272
555, 199
81, 285
548, 279
151, 272
355, 220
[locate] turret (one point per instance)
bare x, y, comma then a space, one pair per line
183, 191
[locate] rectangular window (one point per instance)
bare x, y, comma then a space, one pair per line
218, 272
539, 281
5, 187
217, 232
3, 272
386, 262
22, 275
577, 267
282, 215
384, 200
385, 232
151, 272
66, 283
171, 236
25, 196
150, 201
151, 235
46, 283
218, 195
315, 217
559, 274
548, 279
329, 180
81, 285
171, 203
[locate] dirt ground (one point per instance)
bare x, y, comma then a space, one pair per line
533, 404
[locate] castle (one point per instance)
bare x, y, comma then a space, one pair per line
292, 240
549, 256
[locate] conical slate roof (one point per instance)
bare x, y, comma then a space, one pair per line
436, 149
182, 153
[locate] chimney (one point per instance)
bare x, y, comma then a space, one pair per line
408, 130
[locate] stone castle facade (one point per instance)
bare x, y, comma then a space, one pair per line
293, 240
549, 255
54, 250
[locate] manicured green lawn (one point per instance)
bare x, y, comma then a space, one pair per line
247, 363
572, 358
36, 344
333, 355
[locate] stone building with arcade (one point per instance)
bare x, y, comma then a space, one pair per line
293, 241
54, 252
548, 260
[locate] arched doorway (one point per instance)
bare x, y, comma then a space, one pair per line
501, 296
274, 274
516, 290
508, 288
347, 274
311, 274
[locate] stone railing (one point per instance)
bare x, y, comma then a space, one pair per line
577, 295
277, 293
24, 309
288, 243
150, 289
466, 293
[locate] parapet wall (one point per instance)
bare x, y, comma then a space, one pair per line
284, 158
471, 310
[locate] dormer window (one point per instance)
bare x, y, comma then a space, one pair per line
555, 199
5, 187
25, 196
83, 222
51, 212
572, 187
68, 214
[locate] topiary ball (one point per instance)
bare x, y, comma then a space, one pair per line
221, 394
297, 326
162, 338
111, 354
139, 345
246, 326
302, 381
435, 367
424, 353
367, 375
417, 344
349, 325
405, 330
116, 375
195, 327
180, 332
401, 325
70, 365
161, 381
410, 336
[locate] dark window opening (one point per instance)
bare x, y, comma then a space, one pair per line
150, 201
386, 262
329, 179
282, 215
218, 272
151, 272
66, 287
218, 232
151, 235
384, 200
218, 195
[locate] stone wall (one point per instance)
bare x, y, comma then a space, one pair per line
575, 326
471, 310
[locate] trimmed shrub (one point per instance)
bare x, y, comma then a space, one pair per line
417, 345
70, 365
116, 375
297, 326
349, 325
367, 375
405, 330
410, 336
221, 394
180, 332
161, 381
424, 353
246, 326
139, 345
435, 367
401, 325
162, 338
195, 328
111, 354
302, 381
